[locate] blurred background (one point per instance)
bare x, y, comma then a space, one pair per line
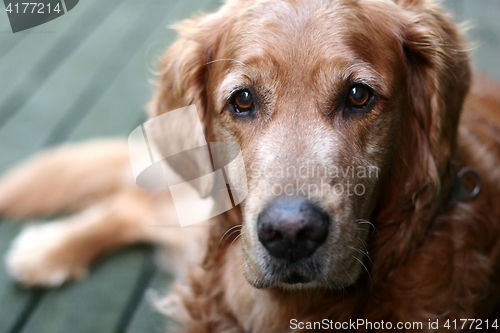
88, 74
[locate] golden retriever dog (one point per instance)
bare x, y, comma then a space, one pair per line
391, 219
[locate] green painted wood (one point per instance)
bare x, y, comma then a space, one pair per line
132, 88
147, 273
39, 54
484, 35
33, 124
454, 7
147, 318
8, 41
481, 18
5, 28
118, 58
93, 304
126, 97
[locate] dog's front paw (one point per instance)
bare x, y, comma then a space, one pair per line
42, 256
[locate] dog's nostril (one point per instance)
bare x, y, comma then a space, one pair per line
292, 228
269, 235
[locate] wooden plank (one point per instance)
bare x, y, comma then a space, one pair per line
455, 8
38, 55
5, 29
33, 124
484, 35
8, 41
91, 305
147, 274
127, 47
131, 90
147, 318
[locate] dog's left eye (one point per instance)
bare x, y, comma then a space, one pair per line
359, 96
243, 101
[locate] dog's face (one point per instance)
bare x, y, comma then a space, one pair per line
319, 96
315, 109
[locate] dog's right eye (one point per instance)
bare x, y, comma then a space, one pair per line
359, 98
243, 102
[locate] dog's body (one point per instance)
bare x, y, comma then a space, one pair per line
300, 84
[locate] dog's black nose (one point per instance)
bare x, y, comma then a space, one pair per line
292, 228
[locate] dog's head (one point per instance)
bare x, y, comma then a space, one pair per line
345, 112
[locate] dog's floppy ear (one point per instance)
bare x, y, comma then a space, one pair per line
181, 81
438, 78
438, 70
439, 75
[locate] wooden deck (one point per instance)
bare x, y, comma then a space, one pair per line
86, 74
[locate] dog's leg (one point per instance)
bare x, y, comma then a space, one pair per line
49, 254
65, 179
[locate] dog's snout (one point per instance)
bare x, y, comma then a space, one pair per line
292, 228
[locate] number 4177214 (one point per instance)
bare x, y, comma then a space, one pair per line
32, 7
471, 324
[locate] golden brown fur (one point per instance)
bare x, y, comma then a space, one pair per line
426, 260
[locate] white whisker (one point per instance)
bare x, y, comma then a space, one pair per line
366, 269
217, 60
362, 221
363, 253
230, 229
241, 234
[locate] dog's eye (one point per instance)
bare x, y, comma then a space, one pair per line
243, 101
358, 100
359, 96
